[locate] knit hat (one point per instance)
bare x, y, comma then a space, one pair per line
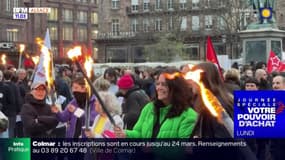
125, 82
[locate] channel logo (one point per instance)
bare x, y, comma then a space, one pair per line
22, 13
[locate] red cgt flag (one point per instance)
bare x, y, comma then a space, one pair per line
274, 63
212, 57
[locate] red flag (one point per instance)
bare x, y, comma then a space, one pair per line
211, 55
273, 63
282, 67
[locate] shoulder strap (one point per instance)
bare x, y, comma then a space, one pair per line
157, 124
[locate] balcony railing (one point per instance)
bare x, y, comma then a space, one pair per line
164, 7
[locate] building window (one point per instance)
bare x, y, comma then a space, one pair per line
94, 33
158, 25
94, 18
208, 22
12, 35
67, 15
8, 5
170, 23
157, 4
146, 5
192, 51
82, 33
135, 5
134, 25
95, 53
53, 32
195, 23
221, 23
195, 4
16, 3
54, 51
52, 16
67, 33
207, 4
170, 4
182, 4
183, 23
146, 25
115, 4
115, 27
82, 16
222, 3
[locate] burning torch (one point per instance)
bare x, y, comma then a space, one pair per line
35, 60
88, 68
22, 48
48, 66
3, 59
74, 55
211, 102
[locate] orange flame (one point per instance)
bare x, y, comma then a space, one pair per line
35, 59
3, 59
22, 48
208, 98
88, 68
47, 62
47, 65
74, 52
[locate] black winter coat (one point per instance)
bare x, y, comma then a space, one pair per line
37, 118
135, 100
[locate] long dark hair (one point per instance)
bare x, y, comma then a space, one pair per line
212, 80
180, 94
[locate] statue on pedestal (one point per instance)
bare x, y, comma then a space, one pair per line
266, 13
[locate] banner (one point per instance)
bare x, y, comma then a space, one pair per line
259, 114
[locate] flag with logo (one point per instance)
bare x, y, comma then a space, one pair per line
274, 63
211, 55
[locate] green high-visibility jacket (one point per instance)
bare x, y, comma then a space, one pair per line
176, 127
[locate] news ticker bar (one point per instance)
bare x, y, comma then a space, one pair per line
26, 148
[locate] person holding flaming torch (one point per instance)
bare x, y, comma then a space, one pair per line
102, 127
214, 105
216, 101
73, 114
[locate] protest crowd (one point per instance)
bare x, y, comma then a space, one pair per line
189, 102
143, 103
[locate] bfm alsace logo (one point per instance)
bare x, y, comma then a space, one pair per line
22, 13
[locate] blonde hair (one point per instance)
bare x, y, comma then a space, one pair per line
101, 84
232, 74
111, 102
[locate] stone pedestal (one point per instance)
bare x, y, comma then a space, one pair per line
257, 43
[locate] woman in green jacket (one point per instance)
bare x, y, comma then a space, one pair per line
170, 114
